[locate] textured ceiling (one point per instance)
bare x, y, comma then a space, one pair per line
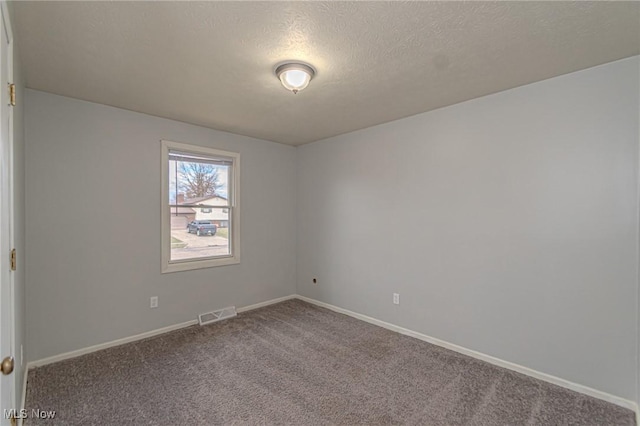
211, 63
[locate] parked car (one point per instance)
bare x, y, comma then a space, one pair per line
202, 227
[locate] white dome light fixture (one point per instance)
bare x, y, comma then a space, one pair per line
295, 76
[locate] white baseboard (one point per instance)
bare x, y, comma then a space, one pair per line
118, 342
488, 358
267, 303
474, 354
100, 346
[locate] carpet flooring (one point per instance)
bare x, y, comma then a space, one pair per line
298, 364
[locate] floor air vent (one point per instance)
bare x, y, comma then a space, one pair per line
219, 315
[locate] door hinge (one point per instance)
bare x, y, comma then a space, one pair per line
13, 259
12, 94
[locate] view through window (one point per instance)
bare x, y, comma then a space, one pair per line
200, 205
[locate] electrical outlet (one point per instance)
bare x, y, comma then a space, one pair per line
154, 302
396, 298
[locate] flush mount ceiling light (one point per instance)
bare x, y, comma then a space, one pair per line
295, 76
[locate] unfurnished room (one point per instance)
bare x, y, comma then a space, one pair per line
319, 213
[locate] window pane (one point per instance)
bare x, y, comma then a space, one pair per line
199, 207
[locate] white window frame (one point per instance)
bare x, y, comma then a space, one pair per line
234, 200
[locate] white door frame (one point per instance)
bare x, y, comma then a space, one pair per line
11, 351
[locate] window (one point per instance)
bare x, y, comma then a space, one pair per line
200, 213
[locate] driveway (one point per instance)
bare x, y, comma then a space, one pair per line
204, 246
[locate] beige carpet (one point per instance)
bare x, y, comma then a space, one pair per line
298, 364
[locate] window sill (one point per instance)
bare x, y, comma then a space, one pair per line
199, 264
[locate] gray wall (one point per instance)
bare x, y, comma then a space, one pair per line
508, 224
93, 234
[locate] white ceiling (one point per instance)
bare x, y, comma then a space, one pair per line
211, 63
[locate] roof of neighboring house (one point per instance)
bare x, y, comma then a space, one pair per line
182, 210
203, 200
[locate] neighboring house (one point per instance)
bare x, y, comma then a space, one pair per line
182, 215
218, 216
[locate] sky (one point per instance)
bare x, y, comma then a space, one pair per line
223, 180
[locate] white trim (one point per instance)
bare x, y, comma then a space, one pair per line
267, 303
483, 357
469, 352
233, 196
100, 346
168, 268
7, 23
118, 342
23, 400
7, 27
